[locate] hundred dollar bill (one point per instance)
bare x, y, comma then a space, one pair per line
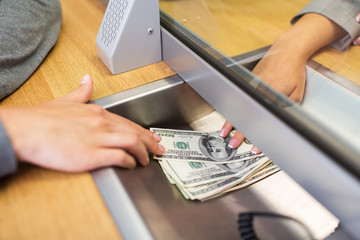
167, 175
251, 179
257, 176
169, 178
205, 191
196, 146
190, 174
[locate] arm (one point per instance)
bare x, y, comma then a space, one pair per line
320, 23
68, 135
341, 12
283, 67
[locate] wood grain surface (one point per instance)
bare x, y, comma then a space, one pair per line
236, 27
36, 203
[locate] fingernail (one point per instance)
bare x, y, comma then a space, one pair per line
222, 133
85, 79
356, 41
156, 137
255, 150
358, 19
233, 142
161, 148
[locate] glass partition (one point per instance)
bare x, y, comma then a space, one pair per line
234, 36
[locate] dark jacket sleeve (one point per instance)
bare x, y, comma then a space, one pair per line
8, 163
342, 12
28, 30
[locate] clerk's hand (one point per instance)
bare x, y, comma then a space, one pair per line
68, 135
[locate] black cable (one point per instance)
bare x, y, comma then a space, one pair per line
246, 227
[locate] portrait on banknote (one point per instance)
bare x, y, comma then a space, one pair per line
216, 148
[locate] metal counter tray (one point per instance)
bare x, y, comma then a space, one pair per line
142, 202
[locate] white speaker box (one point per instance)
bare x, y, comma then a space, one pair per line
129, 35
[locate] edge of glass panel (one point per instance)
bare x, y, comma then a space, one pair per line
331, 143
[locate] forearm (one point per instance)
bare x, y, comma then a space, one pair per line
309, 34
341, 12
283, 66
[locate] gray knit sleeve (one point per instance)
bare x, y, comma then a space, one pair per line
28, 30
8, 163
342, 12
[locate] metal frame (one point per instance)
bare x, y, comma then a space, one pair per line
314, 170
124, 213
311, 168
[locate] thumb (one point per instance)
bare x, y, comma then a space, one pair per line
82, 94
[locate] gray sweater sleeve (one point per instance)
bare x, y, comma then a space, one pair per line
342, 12
8, 163
28, 30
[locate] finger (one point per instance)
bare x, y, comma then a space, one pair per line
356, 42
136, 145
298, 94
155, 136
225, 130
112, 157
82, 94
128, 142
129, 126
255, 150
102, 157
236, 140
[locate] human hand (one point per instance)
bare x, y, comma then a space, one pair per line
236, 139
68, 135
283, 66
283, 71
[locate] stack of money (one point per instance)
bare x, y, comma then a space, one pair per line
202, 165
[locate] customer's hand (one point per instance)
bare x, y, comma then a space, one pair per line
283, 66
68, 135
282, 70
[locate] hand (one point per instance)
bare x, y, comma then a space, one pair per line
237, 139
68, 135
283, 71
283, 66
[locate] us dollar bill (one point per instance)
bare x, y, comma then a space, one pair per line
256, 176
205, 191
202, 166
190, 174
194, 146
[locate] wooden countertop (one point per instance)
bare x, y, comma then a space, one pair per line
237, 27
37, 203
42, 204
